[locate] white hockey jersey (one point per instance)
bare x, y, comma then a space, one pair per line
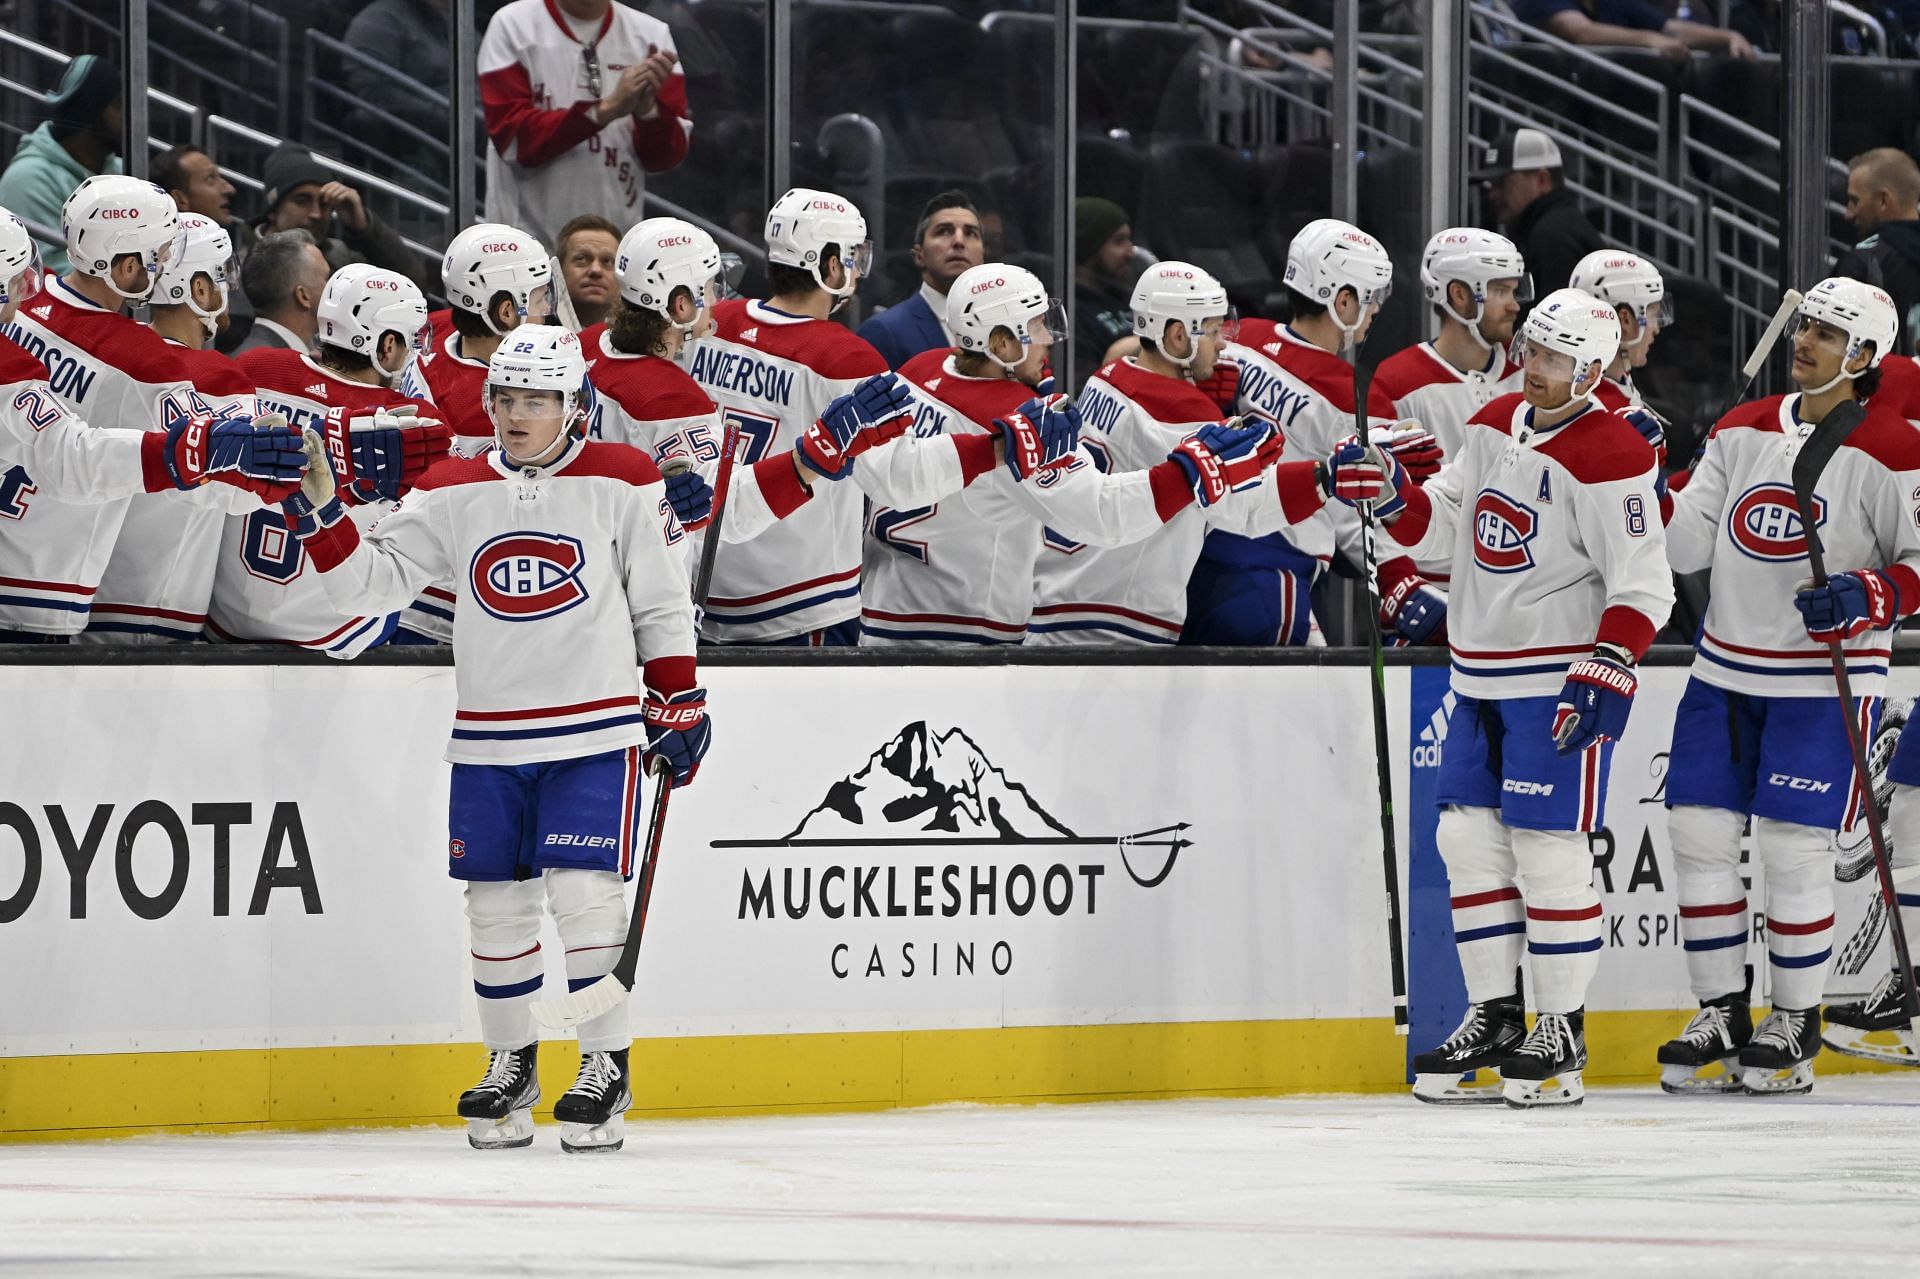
962, 570
1737, 516
158, 582
456, 386
564, 570
1137, 593
1557, 545
264, 589
59, 455
1424, 385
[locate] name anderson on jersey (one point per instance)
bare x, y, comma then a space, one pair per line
740, 371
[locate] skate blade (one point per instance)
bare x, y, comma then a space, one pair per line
1452, 1090
589, 1139
1762, 1081
512, 1133
1716, 1077
1568, 1088
1894, 1047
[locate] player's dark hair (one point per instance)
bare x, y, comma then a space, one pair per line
945, 200
1867, 383
636, 330
342, 360
1304, 307
469, 325
797, 281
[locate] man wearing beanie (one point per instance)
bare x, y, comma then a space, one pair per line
303, 195
1103, 281
76, 141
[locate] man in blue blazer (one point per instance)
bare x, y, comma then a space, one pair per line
946, 242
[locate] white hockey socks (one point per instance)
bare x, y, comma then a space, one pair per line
503, 921
1799, 877
1489, 921
590, 911
1564, 922
1713, 899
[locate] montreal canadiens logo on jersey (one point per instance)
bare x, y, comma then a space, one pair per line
1503, 532
525, 576
1765, 523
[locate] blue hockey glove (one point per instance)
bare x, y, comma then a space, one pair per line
869, 415
1595, 700
1357, 474
677, 731
692, 499
1040, 436
1414, 609
1225, 457
1848, 604
233, 448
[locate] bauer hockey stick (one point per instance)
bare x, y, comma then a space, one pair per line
1813, 457
609, 992
1376, 651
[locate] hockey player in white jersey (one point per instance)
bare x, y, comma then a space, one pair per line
48, 454
264, 591
1635, 288
565, 550
1560, 582
1758, 734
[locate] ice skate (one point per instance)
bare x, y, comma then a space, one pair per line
1488, 1033
1546, 1070
1875, 1027
593, 1112
499, 1109
1704, 1058
1779, 1059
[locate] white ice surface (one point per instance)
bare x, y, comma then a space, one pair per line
1631, 1183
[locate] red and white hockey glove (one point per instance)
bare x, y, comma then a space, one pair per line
677, 731
1849, 604
1359, 474
1595, 700
262, 455
1222, 386
1226, 456
1041, 436
1413, 446
871, 414
378, 456
1411, 606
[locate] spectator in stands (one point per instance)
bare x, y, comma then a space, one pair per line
410, 36
302, 195
1883, 200
586, 251
559, 75
1639, 24
76, 141
946, 241
1526, 185
194, 181
283, 278
1103, 282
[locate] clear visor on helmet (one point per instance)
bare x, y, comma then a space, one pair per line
732, 269
1517, 287
524, 406
1049, 326
540, 304
1544, 361
1656, 315
1376, 296
420, 336
25, 282
859, 257
1225, 328
1819, 333
169, 251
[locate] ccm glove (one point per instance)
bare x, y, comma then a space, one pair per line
232, 448
1225, 457
1850, 603
1595, 700
867, 416
1040, 436
1358, 474
677, 731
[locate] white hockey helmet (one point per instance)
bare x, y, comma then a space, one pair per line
109, 216
489, 259
1628, 284
363, 303
998, 295
1861, 311
803, 222
1329, 255
1580, 330
205, 249
661, 255
541, 357
19, 261
1169, 291
1475, 258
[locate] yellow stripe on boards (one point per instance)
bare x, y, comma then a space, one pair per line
119, 1094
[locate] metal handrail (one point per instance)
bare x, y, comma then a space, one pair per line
1873, 25
220, 124
196, 118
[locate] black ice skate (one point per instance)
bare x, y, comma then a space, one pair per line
1778, 1061
499, 1109
1488, 1033
593, 1112
1705, 1056
1876, 1027
1546, 1069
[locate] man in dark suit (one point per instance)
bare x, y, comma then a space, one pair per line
283, 278
946, 242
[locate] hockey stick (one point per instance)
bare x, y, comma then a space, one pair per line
608, 993
1814, 455
1389, 852
723, 481
1757, 358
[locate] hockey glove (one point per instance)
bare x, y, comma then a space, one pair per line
1595, 700
867, 416
1415, 610
1850, 603
232, 448
1413, 446
1040, 436
1222, 386
306, 519
378, 456
677, 731
1226, 457
689, 494
1356, 474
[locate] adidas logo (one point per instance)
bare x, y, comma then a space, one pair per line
1271, 348
749, 335
1426, 752
319, 389
933, 384
41, 312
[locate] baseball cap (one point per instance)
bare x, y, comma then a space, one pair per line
1517, 152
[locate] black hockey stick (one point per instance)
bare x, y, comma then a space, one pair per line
1812, 459
723, 482
1382, 750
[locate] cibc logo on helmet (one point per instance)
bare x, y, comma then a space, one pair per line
501, 246
999, 282
119, 214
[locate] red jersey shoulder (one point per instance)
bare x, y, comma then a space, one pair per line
1256, 332
649, 389
1329, 376
616, 461
17, 364
1164, 399
1405, 371
833, 351
591, 340
978, 399
213, 373
1887, 437
452, 471
1759, 415
1600, 447
114, 339
1498, 413
1900, 386
275, 368
1610, 397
